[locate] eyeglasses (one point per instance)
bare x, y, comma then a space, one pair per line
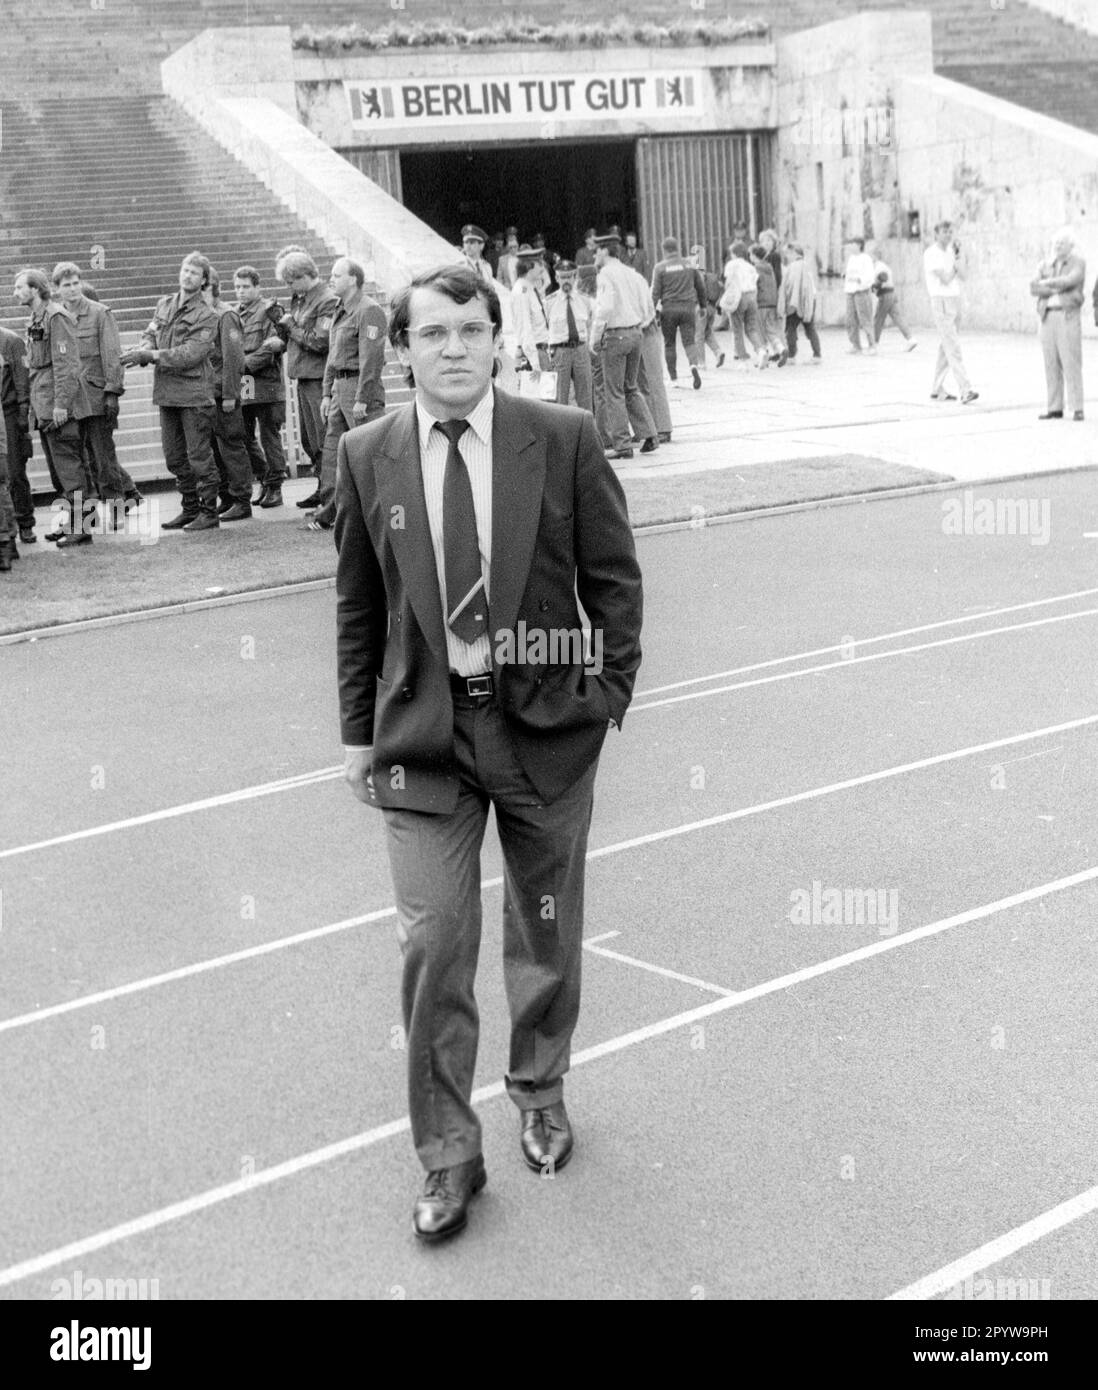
475, 333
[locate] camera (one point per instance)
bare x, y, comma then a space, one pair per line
276, 317
36, 332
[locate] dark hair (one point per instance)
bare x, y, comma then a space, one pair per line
612, 248
758, 252
739, 248
523, 266
37, 279
63, 269
246, 272
460, 283
215, 282
198, 259
670, 243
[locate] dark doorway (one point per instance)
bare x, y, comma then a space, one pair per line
556, 189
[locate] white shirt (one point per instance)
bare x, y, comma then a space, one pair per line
466, 658
531, 323
936, 258
742, 274
859, 273
620, 301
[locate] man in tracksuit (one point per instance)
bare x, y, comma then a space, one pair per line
56, 393
353, 393
678, 292
263, 397
178, 341
234, 466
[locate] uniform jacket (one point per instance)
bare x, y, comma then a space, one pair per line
676, 282
262, 365
358, 339
1065, 278
100, 354
531, 320
559, 527
183, 328
311, 317
227, 353
54, 365
15, 391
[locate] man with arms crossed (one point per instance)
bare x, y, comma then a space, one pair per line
466, 503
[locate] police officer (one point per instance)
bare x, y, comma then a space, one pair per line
353, 393
56, 393
304, 336
262, 395
473, 241
179, 341
104, 382
230, 446
15, 402
569, 315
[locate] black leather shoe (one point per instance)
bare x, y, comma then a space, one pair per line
67, 541
1052, 415
178, 522
547, 1138
697, 378
226, 504
56, 535
443, 1210
272, 498
239, 511
313, 501
204, 521
26, 535
650, 445
257, 500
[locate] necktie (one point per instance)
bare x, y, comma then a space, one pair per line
465, 596
573, 331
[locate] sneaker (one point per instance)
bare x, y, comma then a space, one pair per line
941, 396
970, 396
697, 378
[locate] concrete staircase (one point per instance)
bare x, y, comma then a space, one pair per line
126, 187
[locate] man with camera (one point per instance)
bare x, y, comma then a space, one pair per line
943, 284
262, 394
57, 391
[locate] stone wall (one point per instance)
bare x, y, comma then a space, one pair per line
250, 108
1082, 13
868, 135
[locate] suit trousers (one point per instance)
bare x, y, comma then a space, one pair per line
230, 448
947, 316
573, 368
310, 389
186, 432
622, 401
678, 319
267, 455
1062, 345
859, 318
97, 440
650, 378
435, 865
887, 308
21, 495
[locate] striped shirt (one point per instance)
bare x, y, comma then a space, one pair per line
475, 446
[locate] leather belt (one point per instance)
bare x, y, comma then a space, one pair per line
622, 327
475, 690
345, 372
567, 342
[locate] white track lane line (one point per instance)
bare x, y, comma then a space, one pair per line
327, 774
355, 1143
653, 837
657, 969
639, 707
866, 641
995, 1250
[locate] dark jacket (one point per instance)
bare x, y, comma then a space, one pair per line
559, 527
53, 361
768, 286
100, 355
358, 345
262, 365
310, 326
227, 353
15, 391
183, 328
675, 282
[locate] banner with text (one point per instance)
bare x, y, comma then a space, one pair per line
515, 100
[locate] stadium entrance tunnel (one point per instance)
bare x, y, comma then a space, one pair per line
556, 188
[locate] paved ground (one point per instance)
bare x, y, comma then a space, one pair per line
201, 1079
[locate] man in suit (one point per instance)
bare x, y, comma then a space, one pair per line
1058, 286
467, 523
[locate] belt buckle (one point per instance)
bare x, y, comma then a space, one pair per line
478, 685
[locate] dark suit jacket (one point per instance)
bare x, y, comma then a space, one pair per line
559, 527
